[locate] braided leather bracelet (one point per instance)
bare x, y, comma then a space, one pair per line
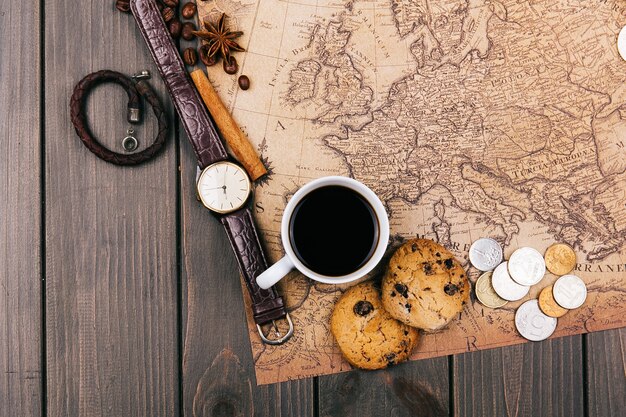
134, 89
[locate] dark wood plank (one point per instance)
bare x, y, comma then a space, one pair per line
111, 232
415, 389
20, 254
218, 371
606, 372
533, 379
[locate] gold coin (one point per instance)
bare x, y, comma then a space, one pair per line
548, 304
485, 292
560, 258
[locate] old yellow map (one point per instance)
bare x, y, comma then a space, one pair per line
476, 118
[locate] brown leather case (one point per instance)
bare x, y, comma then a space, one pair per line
267, 305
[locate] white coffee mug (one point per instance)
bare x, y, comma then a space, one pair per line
290, 261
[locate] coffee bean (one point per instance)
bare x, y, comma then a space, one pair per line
168, 14
190, 56
123, 5
363, 308
244, 82
189, 10
170, 3
204, 56
230, 67
188, 29
175, 28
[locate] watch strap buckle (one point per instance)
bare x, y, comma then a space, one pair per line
280, 338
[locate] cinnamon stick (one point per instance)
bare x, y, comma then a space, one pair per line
237, 141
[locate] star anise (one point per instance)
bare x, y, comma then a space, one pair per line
219, 38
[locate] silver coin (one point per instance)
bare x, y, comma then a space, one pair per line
485, 254
527, 266
621, 43
532, 324
504, 286
569, 291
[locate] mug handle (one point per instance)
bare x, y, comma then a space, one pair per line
275, 273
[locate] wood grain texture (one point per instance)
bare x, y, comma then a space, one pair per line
218, 370
533, 379
20, 205
111, 288
606, 373
415, 389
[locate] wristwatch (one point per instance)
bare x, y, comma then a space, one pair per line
223, 185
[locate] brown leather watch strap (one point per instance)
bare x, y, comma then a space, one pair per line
266, 304
195, 118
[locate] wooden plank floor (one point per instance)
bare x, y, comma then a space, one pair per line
119, 295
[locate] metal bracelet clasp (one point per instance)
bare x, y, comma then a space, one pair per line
142, 75
280, 338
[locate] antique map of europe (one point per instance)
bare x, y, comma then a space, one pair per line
469, 118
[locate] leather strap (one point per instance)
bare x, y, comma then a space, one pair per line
195, 118
134, 91
266, 304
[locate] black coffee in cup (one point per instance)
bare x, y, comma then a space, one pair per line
333, 231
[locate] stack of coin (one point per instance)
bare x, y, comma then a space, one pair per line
569, 291
511, 281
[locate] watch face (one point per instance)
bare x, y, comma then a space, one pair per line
223, 187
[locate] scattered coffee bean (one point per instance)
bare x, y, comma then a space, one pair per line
244, 82
123, 6
204, 56
231, 66
188, 29
168, 14
170, 3
363, 308
189, 10
175, 27
190, 56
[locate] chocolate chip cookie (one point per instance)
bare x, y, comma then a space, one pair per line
368, 336
424, 286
